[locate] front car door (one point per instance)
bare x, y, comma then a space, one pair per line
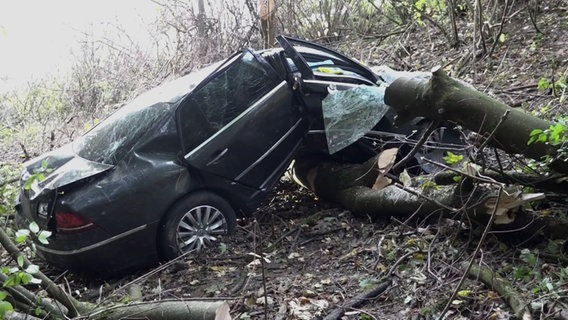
243, 124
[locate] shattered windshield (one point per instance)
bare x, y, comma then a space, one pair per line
113, 138
350, 114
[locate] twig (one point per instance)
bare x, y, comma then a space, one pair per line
501, 120
431, 127
295, 242
496, 73
475, 252
263, 269
479, 178
47, 284
337, 313
503, 18
420, 195
429, 260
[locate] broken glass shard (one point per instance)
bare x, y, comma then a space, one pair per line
349, 114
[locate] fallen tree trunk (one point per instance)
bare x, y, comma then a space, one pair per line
166, 310
444, 98
352, 187
441, 98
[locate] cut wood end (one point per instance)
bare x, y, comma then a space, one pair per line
386, 160
436, 68
507, 206
384, 164
222, 313
381, 183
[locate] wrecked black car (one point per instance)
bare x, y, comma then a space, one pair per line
174, 169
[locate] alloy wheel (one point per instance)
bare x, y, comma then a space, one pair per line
199, 228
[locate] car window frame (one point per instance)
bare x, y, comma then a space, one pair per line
229, 62
364, 71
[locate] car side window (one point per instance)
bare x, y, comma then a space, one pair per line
223, 98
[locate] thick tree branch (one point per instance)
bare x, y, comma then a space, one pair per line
444, 98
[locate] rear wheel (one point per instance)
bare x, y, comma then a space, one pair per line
195, 224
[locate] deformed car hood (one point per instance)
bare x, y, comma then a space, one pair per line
63, 167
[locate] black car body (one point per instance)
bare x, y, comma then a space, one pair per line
171, 170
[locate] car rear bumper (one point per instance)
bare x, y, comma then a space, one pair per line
113, 256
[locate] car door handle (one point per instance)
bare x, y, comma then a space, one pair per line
216, 156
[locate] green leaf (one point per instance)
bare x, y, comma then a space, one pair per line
25, 278
20, 239
28, 184
43, 235
32, 269
22, 233
35, 280
464, 293
34, 227
20, 261
12, 281
537, 135
3, 295
502, 38
452, 158
5, 306
543, 84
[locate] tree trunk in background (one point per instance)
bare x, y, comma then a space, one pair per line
201, 30
267, 25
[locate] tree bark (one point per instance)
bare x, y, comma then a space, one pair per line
504, 288
267, 22
444, 98
164, 310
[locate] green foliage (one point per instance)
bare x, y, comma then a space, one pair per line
452, 158
530, 272
556, 135
5, 306
426, 184
23, 235
20, 274
434, 8
8, 191
555, 87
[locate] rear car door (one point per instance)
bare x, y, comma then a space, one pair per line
242, 124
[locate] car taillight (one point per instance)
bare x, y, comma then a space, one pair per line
68, 222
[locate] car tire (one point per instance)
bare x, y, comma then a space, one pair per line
194, 224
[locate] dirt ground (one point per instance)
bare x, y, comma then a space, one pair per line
299, 257
316, 257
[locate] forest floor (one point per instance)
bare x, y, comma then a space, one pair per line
299, 257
